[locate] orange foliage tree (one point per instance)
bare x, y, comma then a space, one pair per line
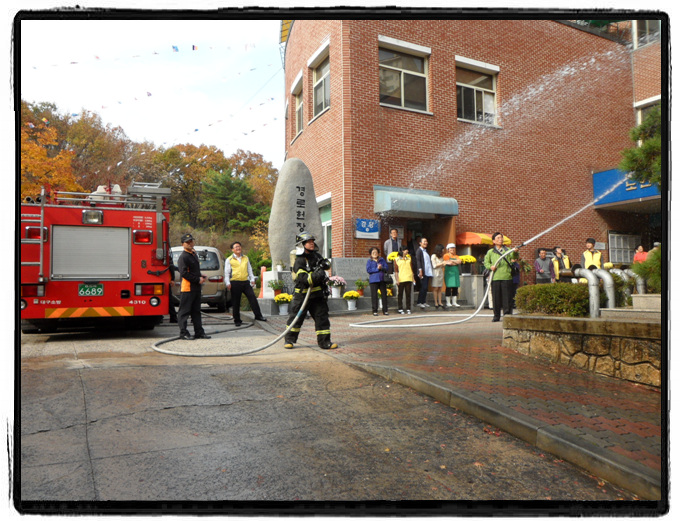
41, 164
258, 173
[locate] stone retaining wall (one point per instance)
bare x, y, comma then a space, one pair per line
627, 350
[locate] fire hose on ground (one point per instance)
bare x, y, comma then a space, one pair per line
303, 310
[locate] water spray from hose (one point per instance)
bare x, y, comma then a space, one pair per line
375, 323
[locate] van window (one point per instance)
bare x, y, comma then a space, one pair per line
208, 260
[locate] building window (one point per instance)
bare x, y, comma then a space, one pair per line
643, 112
476, 93
322, 86
326, 227
298, 113
622, 247
647, 31
403, 79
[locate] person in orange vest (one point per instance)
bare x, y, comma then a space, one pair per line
190, 290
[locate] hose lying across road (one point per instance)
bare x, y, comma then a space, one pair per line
300, 313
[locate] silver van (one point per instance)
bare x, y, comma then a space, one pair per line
214, 291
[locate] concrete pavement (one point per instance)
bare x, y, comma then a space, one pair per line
609, 427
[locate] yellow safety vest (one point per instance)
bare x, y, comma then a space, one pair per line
239, 270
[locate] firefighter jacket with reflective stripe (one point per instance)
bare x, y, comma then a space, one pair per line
302, 273
190, 271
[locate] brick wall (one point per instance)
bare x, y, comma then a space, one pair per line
563, 114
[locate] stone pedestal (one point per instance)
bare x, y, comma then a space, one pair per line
285, 276
472, 289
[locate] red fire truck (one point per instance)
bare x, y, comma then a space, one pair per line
95, 258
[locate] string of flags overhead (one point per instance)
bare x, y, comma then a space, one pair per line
148, 94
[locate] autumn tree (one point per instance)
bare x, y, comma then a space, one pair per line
101, 152
230, 203
42, 160
644, 161
258, 173
184, 167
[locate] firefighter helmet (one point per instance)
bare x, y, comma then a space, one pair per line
300, 239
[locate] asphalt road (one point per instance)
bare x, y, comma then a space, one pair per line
106, 418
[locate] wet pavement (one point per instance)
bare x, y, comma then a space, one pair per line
610, 427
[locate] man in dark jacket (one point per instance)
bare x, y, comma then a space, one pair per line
190, 290
309, 275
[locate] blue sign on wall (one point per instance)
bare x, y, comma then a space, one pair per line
627, 191
368, 229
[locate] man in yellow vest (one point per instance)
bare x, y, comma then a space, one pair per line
591, 258
238, 275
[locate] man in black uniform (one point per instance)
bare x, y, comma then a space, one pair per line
309, 275
190, 290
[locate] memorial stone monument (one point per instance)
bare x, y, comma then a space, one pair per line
294, 209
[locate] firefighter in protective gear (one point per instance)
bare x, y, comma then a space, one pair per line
309, 275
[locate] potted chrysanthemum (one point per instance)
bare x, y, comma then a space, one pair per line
351, 298
283, 300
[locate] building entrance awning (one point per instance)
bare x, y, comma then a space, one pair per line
471, 238
413, 203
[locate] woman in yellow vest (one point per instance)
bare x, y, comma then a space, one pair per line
238, 275
561, 262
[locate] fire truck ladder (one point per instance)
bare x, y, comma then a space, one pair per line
35, 218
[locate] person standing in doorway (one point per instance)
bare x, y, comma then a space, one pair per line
391, 245
190, 290
452, 275
424, 267
404, 273
501, 282
238, 274
438, 264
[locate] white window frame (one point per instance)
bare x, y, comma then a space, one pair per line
317, 59
326, 226
296, 93
485, 68
641, 105
420, 51
622, 247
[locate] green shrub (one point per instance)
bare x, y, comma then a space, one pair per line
572, 300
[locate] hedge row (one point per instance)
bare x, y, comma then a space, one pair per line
572, 300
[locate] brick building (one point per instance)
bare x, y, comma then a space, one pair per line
442, 127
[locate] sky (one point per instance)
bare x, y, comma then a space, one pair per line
213, 82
